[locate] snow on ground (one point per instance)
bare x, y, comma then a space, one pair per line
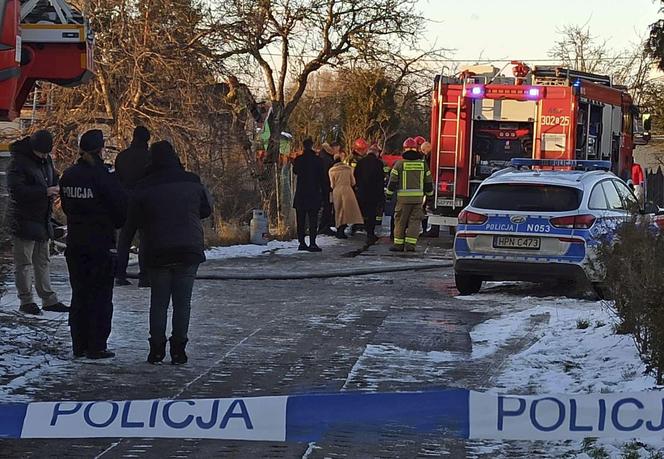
577, 351
27, 347
251, 250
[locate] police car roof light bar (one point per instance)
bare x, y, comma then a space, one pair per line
577, 164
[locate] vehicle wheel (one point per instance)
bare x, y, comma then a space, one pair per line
467, 284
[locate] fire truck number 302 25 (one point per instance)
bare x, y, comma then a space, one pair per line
548, 120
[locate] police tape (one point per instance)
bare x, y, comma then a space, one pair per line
454, 413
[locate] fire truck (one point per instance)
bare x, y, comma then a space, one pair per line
482, 119
43, 40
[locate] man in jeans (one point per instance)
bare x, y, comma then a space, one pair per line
33, 186
130, 167
167, 206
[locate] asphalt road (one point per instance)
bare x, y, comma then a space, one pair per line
250, 338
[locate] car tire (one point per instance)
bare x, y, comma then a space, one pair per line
467, 284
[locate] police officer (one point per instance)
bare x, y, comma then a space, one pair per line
95, 205
411, 180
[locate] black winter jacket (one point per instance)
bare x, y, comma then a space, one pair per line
131, 164
30, 209
95, 205
328, 162
167, 206
312, 184
369, 176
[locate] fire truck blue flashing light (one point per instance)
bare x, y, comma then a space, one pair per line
577, 83
577, 164
477, 92
533, 93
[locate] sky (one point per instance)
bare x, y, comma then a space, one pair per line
527, 29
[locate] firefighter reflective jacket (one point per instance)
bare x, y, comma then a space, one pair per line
410, 179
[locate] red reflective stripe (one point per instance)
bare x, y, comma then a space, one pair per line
572, 240
467, 235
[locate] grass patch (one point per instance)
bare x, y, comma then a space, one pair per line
225, 233
582, 324
591, 448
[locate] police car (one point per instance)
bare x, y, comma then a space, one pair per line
539, 225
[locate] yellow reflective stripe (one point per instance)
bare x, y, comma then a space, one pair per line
389, 192
398, 241
413, 166
411, 240
394, 172
428, 173
406, 193
430, 193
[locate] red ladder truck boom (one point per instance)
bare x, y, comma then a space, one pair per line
481, 119
41, 40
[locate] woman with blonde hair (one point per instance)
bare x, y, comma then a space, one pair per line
346, 210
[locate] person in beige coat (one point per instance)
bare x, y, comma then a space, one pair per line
346, 210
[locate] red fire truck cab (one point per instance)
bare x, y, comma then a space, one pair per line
481, 120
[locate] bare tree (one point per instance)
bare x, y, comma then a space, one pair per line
155, 66
579, 50
289, 40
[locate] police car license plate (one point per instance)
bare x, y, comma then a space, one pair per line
516, 242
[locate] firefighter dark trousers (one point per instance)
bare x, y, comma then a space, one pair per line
408, 223
91, 275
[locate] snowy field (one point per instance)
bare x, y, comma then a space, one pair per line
576, 352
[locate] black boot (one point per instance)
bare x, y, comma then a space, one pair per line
178, 355
157, 351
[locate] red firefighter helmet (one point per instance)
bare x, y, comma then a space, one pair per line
420, 140
360, 145
410, 144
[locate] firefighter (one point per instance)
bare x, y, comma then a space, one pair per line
370, 191
95, 205
410, 179
419, 140
360, 148
639, 181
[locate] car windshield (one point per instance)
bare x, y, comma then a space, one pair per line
528, 197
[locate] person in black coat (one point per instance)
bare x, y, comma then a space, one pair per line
167, 206
327, 212
310, 189
130, 167
96, 206
33, 186
369, 176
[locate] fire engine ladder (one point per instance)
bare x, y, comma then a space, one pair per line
443, 107
52, 21
63, 11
